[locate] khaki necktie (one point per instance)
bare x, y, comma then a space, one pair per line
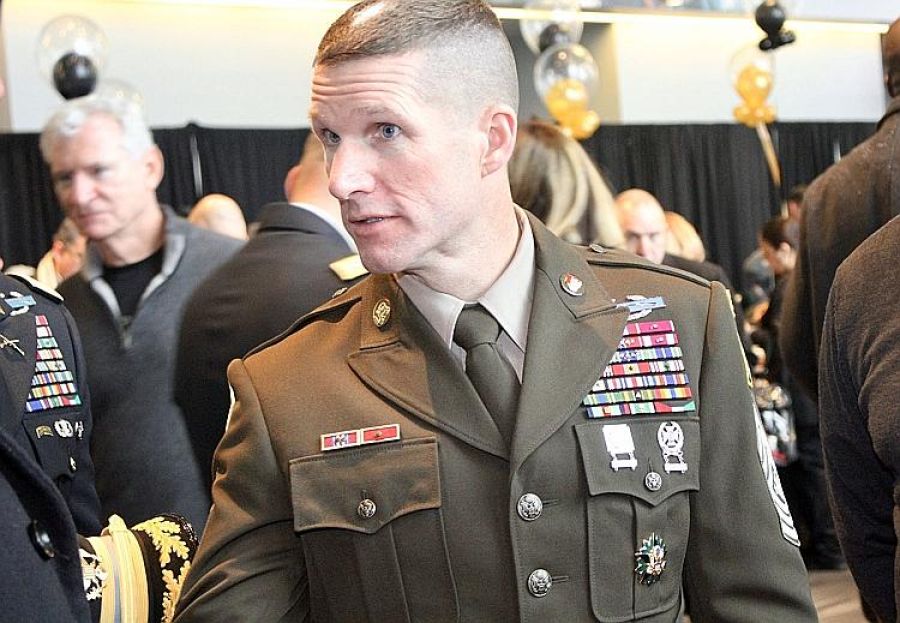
492, 376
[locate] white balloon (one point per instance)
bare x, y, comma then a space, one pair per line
112, 88
565, 61
70, 33
566, 14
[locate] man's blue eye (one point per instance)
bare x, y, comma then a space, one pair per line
389, 130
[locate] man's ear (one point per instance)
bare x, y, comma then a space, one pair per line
154, 167
500, 125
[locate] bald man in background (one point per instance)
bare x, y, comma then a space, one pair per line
221, 214
646, 230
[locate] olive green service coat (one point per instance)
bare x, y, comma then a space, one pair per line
428, 527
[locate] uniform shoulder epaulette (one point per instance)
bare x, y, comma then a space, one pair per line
338, 305
37, 286
348, 268
604, 256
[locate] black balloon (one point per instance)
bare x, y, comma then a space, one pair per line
74, 75
770, 17
553, 34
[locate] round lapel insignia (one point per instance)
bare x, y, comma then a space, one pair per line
571, 284
381, 313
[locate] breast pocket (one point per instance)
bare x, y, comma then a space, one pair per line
372, 530
56, 437
639, 472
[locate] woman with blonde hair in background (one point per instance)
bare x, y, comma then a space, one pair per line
683, 238
552, 177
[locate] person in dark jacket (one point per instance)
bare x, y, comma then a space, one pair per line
841, 208
300, 255
860, 374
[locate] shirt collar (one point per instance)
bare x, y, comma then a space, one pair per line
335, 223
508, 299
174, 243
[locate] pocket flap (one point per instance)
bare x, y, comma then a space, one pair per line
363, 489
637, 447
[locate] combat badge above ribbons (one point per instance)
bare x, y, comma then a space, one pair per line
646, 375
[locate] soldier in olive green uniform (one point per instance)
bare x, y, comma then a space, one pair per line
363, 476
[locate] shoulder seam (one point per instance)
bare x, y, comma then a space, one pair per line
599, 260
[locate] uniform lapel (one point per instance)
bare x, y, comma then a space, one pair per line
18, 369
570, 341
405, 362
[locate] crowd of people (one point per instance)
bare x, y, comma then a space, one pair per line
450, 376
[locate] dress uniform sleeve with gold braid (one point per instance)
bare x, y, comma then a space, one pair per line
134, 575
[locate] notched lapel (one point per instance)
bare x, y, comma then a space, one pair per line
570, 341
18, 370
405, 362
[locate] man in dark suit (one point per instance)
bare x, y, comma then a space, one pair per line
299, 257
646, 232
841, 208
44, 403
496, 425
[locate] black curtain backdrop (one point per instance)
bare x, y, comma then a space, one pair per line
715, 175
248, 165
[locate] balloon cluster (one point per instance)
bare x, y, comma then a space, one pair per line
565, 73
71, 52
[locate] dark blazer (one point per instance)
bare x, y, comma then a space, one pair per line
44, 400
447, 522
841, 208
859, 378
41, 571
707, 270
713, 272
278, 276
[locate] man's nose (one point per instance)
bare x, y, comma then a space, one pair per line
82, 190
349, 171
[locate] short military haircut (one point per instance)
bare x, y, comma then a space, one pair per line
468, 54
71, 117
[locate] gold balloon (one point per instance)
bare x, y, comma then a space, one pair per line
754, 85
565, 98
584, 124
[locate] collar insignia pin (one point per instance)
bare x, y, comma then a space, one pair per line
572, 285
381, 313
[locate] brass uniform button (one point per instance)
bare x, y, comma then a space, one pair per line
41, 539
529, 507
366, 509
539, 582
